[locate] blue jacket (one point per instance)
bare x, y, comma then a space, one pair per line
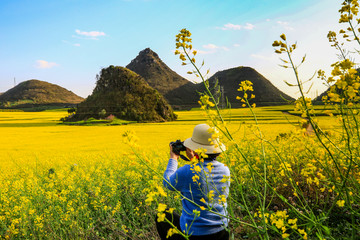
207, 189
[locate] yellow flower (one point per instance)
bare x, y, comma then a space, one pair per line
292, 221
182, 57
150, 197
209, 167
285, 235
161, 217
279, 223
195, 178
123, 227
222, 199
170, 210
196, 212
225, 179
161, 191
211, 195
197, 168
171, 232
340, 203
302, 232
161, 207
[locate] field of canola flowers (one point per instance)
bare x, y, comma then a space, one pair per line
104, 182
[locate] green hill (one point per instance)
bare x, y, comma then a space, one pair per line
33, 93
182, 93
126, 95
265, 92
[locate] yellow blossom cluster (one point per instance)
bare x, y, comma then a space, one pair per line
205, 102
246, 86
280, 219
282, 46
183, 42
347, 84
304, 104
348, 10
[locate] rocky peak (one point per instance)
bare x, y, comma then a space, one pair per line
146, 57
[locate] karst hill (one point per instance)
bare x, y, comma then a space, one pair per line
146, 90
34, 93
178, 91
183, 94
126, 95
265, 92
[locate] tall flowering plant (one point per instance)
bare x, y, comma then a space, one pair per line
303, 186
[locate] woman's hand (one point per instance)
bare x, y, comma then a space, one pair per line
172, 154
190, 153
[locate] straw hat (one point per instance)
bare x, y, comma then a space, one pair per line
202, 138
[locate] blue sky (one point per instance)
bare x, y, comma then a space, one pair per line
67, 42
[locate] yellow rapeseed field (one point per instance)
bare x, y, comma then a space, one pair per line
30, 138
87, 182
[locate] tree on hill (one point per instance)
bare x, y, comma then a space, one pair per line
126, 95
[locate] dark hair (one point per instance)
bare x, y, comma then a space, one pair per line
213, 156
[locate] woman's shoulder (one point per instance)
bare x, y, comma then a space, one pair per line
185, 168
223, 167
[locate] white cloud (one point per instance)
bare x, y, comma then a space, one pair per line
213, 48
231, 26
210, 46
73, 44
44, 64
236, 45
285, 25
91, 34
203, 52
249, 26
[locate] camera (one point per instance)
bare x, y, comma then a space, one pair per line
178, 146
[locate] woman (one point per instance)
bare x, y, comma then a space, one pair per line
204, 187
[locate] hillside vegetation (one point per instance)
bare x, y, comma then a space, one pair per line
33, 93
126, 95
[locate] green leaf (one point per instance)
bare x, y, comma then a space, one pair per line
290, 85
